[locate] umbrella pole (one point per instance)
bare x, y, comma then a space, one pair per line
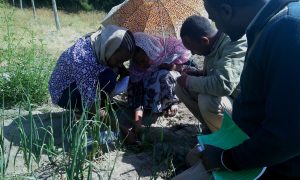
162, 27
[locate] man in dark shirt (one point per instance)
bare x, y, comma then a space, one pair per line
268, 106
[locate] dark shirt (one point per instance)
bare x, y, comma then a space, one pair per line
268, 107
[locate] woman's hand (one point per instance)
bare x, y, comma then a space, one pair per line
138, 117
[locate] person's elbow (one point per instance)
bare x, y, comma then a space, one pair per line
225, 88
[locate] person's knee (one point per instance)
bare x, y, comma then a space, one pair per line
209, 104
193, 157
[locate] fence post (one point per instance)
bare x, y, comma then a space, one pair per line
21, 4
55, 15
33, 7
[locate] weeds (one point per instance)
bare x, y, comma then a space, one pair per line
24, 64
36, 140
31, 144
77, 151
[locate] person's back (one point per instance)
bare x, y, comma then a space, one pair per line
89, 66
268, 108
215, 60
70, 68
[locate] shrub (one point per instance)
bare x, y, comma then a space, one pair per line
24, 65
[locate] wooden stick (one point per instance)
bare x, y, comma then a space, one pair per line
21, 4
56, 15
33, 7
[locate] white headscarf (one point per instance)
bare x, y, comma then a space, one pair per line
107, 40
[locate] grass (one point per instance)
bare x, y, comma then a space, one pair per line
25, 64
30, 47
73, 27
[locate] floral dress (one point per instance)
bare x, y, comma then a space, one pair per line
156, 92
77, 64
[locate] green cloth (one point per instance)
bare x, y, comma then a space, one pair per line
223, 67
228, 136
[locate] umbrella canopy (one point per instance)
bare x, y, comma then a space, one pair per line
155, 17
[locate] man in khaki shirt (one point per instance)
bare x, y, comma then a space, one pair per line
210, 91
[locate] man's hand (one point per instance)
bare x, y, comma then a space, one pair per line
211, 158
182, 80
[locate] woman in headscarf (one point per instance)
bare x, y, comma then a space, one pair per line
153, 72
91, 65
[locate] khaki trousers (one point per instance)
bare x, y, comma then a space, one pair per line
207, 109
196, 172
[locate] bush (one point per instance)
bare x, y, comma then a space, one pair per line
108, 4
25, 66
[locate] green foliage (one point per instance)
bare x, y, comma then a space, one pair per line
76, 5
32, 144
85, 5
108, 4
25, 66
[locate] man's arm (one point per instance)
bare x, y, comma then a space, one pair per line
227, 71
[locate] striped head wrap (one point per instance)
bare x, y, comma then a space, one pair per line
109, 39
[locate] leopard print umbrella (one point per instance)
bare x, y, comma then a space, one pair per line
155, 17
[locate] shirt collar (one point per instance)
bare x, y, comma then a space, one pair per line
217, 43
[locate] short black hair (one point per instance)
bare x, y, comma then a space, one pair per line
197, 26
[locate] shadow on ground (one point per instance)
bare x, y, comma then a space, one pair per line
41, 122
